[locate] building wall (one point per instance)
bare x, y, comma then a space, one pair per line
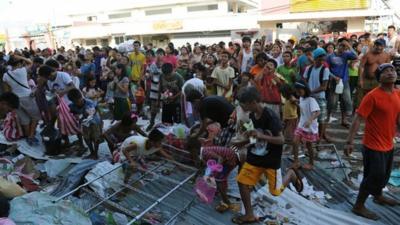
180, 21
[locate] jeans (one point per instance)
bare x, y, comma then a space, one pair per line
346, 105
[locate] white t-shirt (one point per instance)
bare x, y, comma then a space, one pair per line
76, 81
307, 107
314, 81
140, 142
278, 60
21, 75
198, 84
223, 75
62, 80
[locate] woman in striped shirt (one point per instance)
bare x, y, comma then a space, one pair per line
227, 157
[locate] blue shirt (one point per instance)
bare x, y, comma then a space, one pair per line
87, 113
338, 64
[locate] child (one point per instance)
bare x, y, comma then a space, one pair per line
223, 76
289, 112
89, 118
225, 156
4, 211
170, 86
135, 147
91, 91
121, 130
264, 154
307, 129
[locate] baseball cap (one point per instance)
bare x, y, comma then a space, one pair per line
380, 42
381, 68
318, 52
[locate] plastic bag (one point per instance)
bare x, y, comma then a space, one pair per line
339, 87
205, 189
9, 189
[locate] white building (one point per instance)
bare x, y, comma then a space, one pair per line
159, 22
287, 17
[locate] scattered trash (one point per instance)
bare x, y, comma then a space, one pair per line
54, 167
109, 181
310, 193
10, 189
327, 154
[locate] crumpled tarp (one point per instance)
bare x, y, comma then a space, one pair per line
109, 181
292, 208
74, 177
54, 167
38, 209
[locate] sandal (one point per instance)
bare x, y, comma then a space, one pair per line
299, 183
222, 207
239, 220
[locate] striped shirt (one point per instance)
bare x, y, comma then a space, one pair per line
229, 155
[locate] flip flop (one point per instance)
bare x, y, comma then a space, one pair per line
299, 183
238, 220
222, 207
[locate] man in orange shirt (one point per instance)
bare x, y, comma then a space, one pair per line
261, 60
380, 109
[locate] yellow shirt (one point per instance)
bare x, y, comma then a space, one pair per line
138, 60
289, 110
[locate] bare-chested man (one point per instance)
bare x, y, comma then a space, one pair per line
369, 64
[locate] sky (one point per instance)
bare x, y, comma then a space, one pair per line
16, 13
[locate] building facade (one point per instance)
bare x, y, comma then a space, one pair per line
160, 22
286, 18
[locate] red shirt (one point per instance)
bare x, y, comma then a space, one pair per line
380, 111
269, 89
170, 59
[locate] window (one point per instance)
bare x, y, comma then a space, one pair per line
119, 15
119, 40
92, 18
104, 42
158, 12
198, 8
91, 42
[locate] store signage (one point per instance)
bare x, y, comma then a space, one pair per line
168, 25
297, 6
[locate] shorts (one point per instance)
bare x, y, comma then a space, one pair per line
250, 175
323, 110
28, 110
377, 170
154, 107
92, 132
305, 135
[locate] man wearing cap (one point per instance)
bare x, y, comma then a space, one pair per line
368, 65
380, 109
317, 76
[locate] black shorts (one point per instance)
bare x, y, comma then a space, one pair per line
377, 169
171, 113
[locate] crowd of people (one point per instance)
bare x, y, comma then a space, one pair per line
243, 101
